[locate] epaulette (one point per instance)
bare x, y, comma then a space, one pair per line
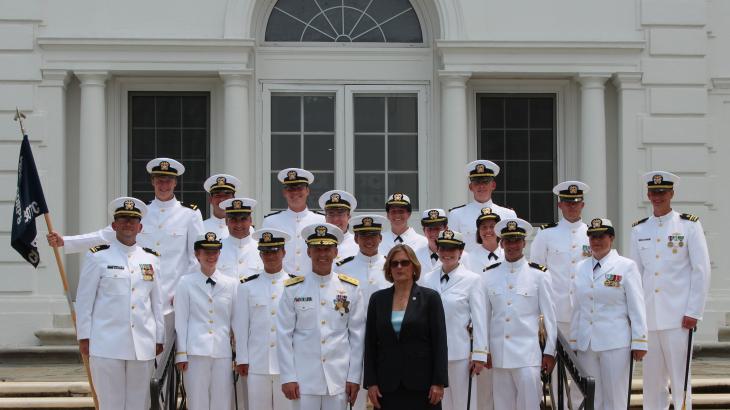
148, 202
98, 248
548, 226
291, 275
319, 213
640, 221
457, 207
351, 281
294, 280
189, 205
152, 251
492, 266
538, 266
249, 278
344, 261
689, 217
273, 213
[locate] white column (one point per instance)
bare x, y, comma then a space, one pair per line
454, 143
593, 144
238, 153
93, 152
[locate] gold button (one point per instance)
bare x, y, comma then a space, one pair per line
510, 286
297, 268
590, 297
591, 286
210, 311
273, 296
129, 256
323, 342
509, 303
160, 226
573, 231
210, 300
591, 322
321, 285
132, 324
572, 276
591, 310
573, 261
324, 360
657, 256
299, 252
115, 276
273, 282
157, 243
506, 336
132, 307
210, 332
210, 321
573, 246
322, 322
273, 312
273, 328
658, 240
162, 210
571, 292
272, 344
132, 289
656, 290
507, 320
656, 273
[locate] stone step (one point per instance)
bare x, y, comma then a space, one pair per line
727, 318
44, 389
62, 321
40, 354
701, 386
699, 401
723, 333
711, 349
56, 403
57, 336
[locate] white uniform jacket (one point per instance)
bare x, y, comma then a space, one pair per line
253, 323
609, 310
368, 270
203, 316
517, 294
479, 259
560, 247
296, 260
463, 299
464, 219
320, 333
239, 258
118, 302
347, 247
671, 252
217, 225
410, 237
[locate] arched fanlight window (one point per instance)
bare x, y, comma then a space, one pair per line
345, 21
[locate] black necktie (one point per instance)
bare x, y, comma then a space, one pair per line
492, 256
398, 239
445, 278
435, 256
211, 281
598, 266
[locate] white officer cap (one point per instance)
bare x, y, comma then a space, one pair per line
659, 181
398, 199
271, 239
571, 191
336, 199
513, 228
291, 176
322, 234
238, 205
208, 240
365, 224
221, 182
486, 214
599, 226
165, 166
127, 206
434, 216
450, 239
481, 168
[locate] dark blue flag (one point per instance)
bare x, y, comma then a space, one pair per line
29, 204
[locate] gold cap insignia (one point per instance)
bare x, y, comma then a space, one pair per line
573, 189
486, 211
164, 165
129, 204
511, 226
398, 197
367, 221
335, 197
220, 181
210, 236
480, 168
658, 179
291, 175
321, 230
448, 234
267, 236
596, 223
237, 204
433, 214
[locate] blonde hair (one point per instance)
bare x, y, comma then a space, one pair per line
409, 254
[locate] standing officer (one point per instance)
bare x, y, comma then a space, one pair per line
518, 292
433, 222
337, 206
320, 329
219, 187
671, 251
119, 311
398, 209
239, 256
295, 182
481, 175
255, 328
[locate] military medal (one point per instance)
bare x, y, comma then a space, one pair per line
342, 305
612, 281
586, 251
148, 272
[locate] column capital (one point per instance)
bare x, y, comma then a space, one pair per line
92, 77
592, 80
235, 77
454, 78
627, 81
54, 78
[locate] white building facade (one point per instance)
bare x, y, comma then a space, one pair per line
374, 96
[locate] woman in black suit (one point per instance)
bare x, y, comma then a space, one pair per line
405, 339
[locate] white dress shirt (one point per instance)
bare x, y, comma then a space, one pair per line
368, 270
239, 257
296, 260
464, 219
410, 237
347, 247
480, 258
217, 225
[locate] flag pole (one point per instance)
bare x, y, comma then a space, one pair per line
19, 116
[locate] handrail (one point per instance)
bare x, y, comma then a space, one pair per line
165, 381
567, 360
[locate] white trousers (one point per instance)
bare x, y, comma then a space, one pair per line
362, 400
575, 395
517, 389
208, 383
664, 365
610, 369
264, 392
455, 396
121, 384
485, 401
312, 402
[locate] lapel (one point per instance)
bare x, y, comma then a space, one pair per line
606, 267
413, 307
200, 282
454, 278
385, 310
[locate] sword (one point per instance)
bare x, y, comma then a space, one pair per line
686, 369
235, 381
471, 348
631, 376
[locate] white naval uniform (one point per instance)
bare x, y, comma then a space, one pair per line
517, 294
676, 280
119, 309
239, 258
319, 347
425, 256
217, 225
255, 330
296, 260
608, 322
203, 317
464, 219
410, 237
464, 302
347, 247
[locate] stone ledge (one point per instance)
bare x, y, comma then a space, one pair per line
46, 403
711, 349
25, 389
40, 354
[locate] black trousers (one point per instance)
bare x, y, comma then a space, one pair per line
403, 399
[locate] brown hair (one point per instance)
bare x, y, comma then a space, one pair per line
409, 254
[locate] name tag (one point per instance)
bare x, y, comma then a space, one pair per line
115, 267
644, 239
303, 299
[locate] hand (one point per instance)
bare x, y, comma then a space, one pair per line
182, 366
476, 366
548, 362
638, 354
242, 369
55, 240
374, 395
689, 322
84, 346
291, 390
435, 394
489, 361
159, 347
352, 389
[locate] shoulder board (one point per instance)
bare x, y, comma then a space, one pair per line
98, 248
249, 278
548, 226
345, 278
152, 251
689, 217
344, 261
189, 205
273, 213
148, 202
291, 275
457, 207
538, 266
492, 266
294, 280
640, 221
319, 213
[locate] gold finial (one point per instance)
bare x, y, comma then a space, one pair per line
19, 117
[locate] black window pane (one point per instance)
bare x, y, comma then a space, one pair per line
169, 143
140, 177
498, 197
542, 114
368, 153
516, 175
541, 176
199, 198
542, 208
195, 174
285, 113
285, 151
500, 177
402, 114
143, 143
168, 111
195, 143
406, 183
277, 198
319, 152
492, 113
403, 152
516, 142
542, 145
143, 111
520, 203
515, 113
319, 114
370, 191
323, 182
369, 114
195, 112
492, 144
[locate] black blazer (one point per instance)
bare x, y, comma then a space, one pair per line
418, 357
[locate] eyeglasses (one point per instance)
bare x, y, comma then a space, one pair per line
404, 263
